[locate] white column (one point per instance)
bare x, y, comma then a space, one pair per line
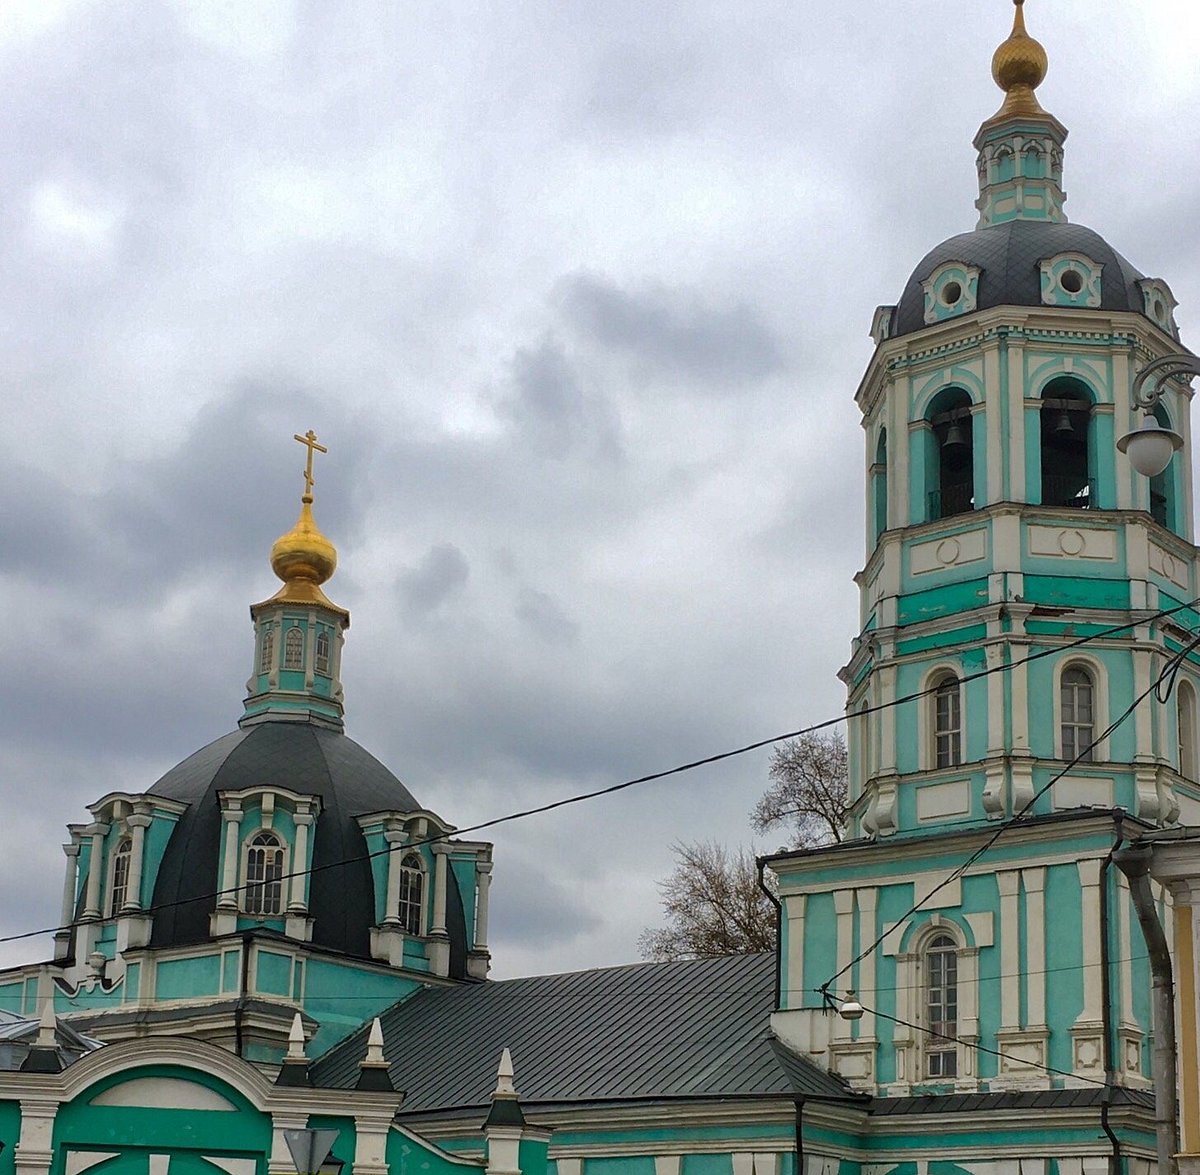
843, 904
95, 866
1089, 880
297, 904
1007, 882
483, 883
1035, 945
396, 839
792, 995
439, 849
137, 824
70, 883
35, 1150
867, 899
229, 873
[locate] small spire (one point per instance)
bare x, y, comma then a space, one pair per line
373, 1068
296, 1040
47, 1037
294, 1070
506, 1108
504, 1076
1018, 66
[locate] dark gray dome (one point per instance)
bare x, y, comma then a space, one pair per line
303, 758
1007, 256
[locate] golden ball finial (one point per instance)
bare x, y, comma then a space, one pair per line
1020, 63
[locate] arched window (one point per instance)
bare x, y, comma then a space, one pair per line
119, 890
947, 722
951, 472
941, 1006
264, 875
879, 484
293, 649
1186, 712
1077, 693
1162, 504
412, 894
322, 653
267, 653
1067, 449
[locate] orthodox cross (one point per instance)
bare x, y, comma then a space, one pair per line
309, 441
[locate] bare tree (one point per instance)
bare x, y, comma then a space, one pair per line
713, 905
712, 901
808, 791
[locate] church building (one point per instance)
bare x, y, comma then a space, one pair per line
274, 960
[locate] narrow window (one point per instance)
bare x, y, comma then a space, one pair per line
1078, 714
879, 484
1186, 707
947, 723
267, 654
951, 486
412, 893
293, 649
264, 875
1067, 478
120, 876
941, 988
323, 652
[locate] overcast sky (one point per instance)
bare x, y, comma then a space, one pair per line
577, 294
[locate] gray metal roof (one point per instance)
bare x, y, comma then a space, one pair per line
18, 1034
1007, 256
690, 1029
1028, 1099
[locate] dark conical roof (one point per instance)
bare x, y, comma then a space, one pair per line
301, 757
1008, 257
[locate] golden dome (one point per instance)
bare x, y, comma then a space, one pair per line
1019, 65
304, 553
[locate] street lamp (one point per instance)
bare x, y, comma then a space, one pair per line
1151, 447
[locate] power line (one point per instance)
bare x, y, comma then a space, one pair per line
612, 789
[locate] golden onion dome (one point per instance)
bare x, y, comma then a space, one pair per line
1019, 65
304, 553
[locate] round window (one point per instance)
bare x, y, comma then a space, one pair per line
951, 293
1071, 280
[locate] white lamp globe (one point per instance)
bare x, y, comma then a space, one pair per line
1150, 447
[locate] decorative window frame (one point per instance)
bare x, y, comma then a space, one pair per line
881, 324
122, 850
253, 810
927, 717
950, 291
910, 1039
1158, 304
1185, 718
1071, 279
422, 871
244, 884
1096, 671
323, 653
266, 649
293, 642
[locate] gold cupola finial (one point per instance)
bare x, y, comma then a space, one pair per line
304, 558
1019, 65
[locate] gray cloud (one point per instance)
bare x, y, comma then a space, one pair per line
674, 332
544, 617
440, 575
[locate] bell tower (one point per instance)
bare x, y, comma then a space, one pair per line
1003, 524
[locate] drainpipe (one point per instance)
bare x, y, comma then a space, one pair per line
762, 862
1134, 862
1110, 1069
